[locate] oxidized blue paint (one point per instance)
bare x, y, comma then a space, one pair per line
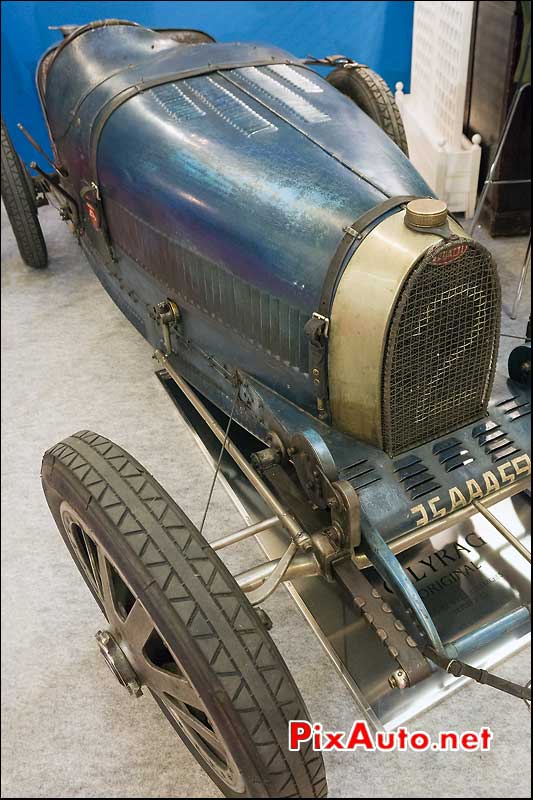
242, 168
377, 34
230, 189
229, 192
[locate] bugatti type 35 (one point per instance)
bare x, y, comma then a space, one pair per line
328, 327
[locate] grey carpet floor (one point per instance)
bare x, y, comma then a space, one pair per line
71, 361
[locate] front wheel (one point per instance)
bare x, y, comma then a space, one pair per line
177, 623
19, 200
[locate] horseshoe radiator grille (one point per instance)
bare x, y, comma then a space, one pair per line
441, 347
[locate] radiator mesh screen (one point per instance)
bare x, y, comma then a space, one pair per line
442, 346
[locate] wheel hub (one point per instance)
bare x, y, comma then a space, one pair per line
117, 662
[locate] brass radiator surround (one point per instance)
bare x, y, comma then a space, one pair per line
377, 283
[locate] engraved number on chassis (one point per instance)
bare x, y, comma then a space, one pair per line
473, 489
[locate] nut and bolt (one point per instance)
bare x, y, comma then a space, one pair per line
304, 541
167, 311
265, 619
118, 663
102, 636
398, 680
134, 688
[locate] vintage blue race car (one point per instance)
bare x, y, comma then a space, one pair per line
330, 323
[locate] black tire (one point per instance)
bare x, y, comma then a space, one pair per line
19, 200
29, 183
519, 364
211, 630
370, 92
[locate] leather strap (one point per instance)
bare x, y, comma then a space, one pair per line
317, 327
381, 619
458, 668
126, 94
131, 91
351, 233
316, 330
90, 26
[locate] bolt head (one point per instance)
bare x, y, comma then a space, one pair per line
134, 689
398, 680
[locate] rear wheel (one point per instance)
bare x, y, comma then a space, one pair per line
369, 91
19, 199
177, 623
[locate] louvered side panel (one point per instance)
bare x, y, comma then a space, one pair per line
266, 321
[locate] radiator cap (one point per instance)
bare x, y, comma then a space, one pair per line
426, 213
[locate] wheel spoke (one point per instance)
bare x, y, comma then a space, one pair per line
167, 684
137, 627
206, 733
107, 590
89, 545
134, 646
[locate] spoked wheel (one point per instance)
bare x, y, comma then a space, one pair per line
178, 626
134, 650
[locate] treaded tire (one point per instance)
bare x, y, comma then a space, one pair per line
369, 91
20, 205
519, 364
204, 618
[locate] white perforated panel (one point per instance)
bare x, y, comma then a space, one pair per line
441, 45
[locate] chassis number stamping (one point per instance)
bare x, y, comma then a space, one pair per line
460, 497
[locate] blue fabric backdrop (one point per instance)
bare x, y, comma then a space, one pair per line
376, 33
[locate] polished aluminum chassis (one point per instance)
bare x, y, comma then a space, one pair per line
468, 587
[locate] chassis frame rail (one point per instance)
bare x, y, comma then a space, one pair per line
298, 561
